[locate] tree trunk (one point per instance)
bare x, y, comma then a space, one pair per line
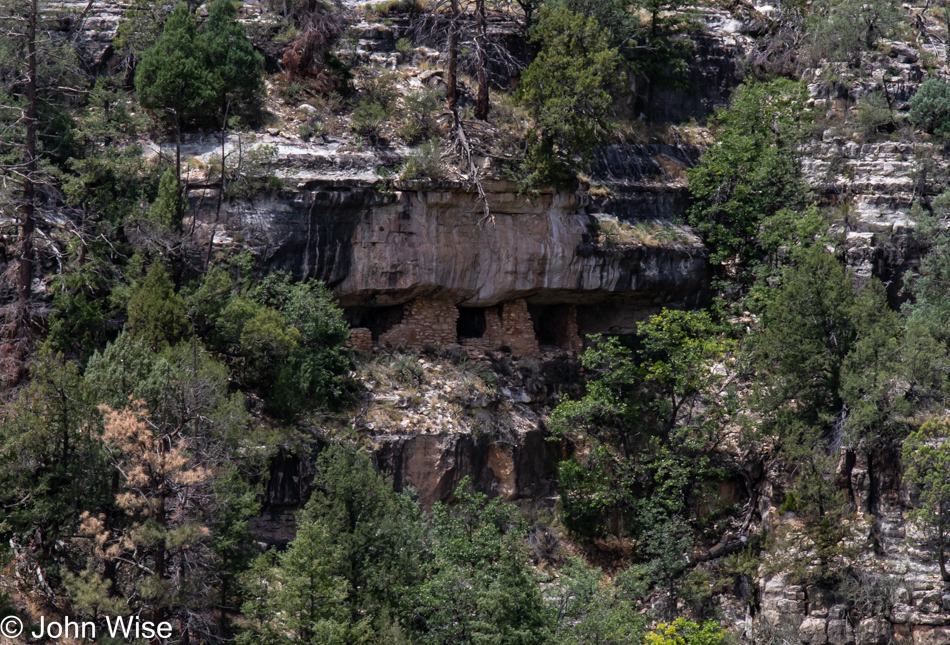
178, 225
28, 207
178, 212
158, 613
452, 80
946, 16
942, 544
481, 104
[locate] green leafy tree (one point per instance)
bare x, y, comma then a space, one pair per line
686, 632
173, 78
825, 358
650, 419
842, 30
315, 375
236, 67
478, 587
169, 206
568, 89
926, 456
284, 340
752, 171
110, 177
296, 594
157, 315
183, 456
876, 401
348, 575
51, 468
816, 334
930, 107
590, 611
930, 308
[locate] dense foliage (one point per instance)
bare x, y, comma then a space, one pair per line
752, 172
928, 107
151, 373
569, 90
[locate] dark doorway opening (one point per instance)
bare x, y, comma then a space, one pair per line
471, 322
551, 324
378, 320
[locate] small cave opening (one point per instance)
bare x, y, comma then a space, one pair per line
378, 320
552, 324
471, 323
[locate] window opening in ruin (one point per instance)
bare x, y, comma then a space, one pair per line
471, 322
551, 324
378, 320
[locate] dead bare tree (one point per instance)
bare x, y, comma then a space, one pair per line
28, 206
453, 63
22, 173
320, 24
481, 102
32, 71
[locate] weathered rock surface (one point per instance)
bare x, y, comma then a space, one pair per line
378, 250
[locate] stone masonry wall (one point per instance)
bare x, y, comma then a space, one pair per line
425, 322
361, 339
508, 324
567, 335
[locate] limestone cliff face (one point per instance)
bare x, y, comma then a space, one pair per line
874, 187
380, 248
901, 601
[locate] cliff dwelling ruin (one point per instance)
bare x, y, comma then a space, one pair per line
516, 325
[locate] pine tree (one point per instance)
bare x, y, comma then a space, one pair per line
167, 209
156, 312
236, 69
568, 91
173, 77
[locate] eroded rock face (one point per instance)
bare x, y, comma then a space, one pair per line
434, 465
521, 471
875, 186
382, 249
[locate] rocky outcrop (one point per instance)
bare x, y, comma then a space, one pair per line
433, 465
874, 187
379, 248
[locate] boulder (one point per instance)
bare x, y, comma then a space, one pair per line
873, 631
813, 631
931, 635
840, 632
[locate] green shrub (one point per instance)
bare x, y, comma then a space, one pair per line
368, 118
419, 115
311, 128
379, 86
407, 370
842, 30
157, 315
873, 115
293, 92
424, 162
403, 45
930, 107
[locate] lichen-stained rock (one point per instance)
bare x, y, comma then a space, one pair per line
434, 465
927, 635
873, 631
813, 631
840, 632
819, 601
